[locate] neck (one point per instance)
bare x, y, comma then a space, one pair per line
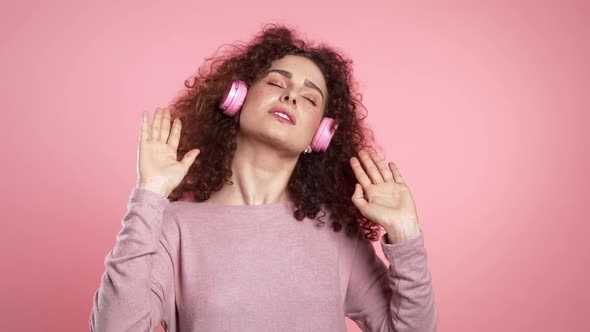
260, 175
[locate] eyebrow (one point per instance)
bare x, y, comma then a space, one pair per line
289, 75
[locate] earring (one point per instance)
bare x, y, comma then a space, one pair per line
307, 150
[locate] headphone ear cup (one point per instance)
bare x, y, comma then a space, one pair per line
233, 97
323, 136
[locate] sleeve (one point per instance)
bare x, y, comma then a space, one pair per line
397, 298
137, 286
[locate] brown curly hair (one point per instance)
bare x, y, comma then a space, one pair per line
319, 179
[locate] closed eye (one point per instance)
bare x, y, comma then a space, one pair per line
311, 101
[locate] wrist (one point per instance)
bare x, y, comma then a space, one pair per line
158, 189
402, 232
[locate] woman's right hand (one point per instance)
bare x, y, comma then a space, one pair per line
157, 167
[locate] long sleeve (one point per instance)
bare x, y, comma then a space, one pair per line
397, 298
137, 287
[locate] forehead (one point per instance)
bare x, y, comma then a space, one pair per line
301, 68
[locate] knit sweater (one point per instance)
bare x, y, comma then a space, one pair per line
200, 266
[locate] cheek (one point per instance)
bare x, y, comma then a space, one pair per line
261, 94
256, 106
256, 98
312, 123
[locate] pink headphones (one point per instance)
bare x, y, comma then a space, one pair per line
234, 97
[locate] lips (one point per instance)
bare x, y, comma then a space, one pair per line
284, 111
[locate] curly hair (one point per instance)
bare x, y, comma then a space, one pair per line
319, 179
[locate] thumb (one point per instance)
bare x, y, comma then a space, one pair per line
358, 198
189, 157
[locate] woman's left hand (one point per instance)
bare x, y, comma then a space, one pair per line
383, 197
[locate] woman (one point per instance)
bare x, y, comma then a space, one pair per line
219, 240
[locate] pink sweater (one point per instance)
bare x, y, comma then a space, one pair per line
213, 267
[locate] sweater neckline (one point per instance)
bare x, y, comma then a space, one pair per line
245, 207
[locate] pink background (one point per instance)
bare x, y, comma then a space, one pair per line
484, 108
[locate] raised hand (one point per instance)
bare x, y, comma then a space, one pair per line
382, 196
158, 168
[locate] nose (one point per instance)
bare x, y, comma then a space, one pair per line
287, 98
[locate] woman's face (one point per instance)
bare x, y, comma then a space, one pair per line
295, 84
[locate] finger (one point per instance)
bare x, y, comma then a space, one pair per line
370, 166
359, 172
385, 172
175, 134
190, 157
143, 133
165, 130
156, 124
396, 173
357, 197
